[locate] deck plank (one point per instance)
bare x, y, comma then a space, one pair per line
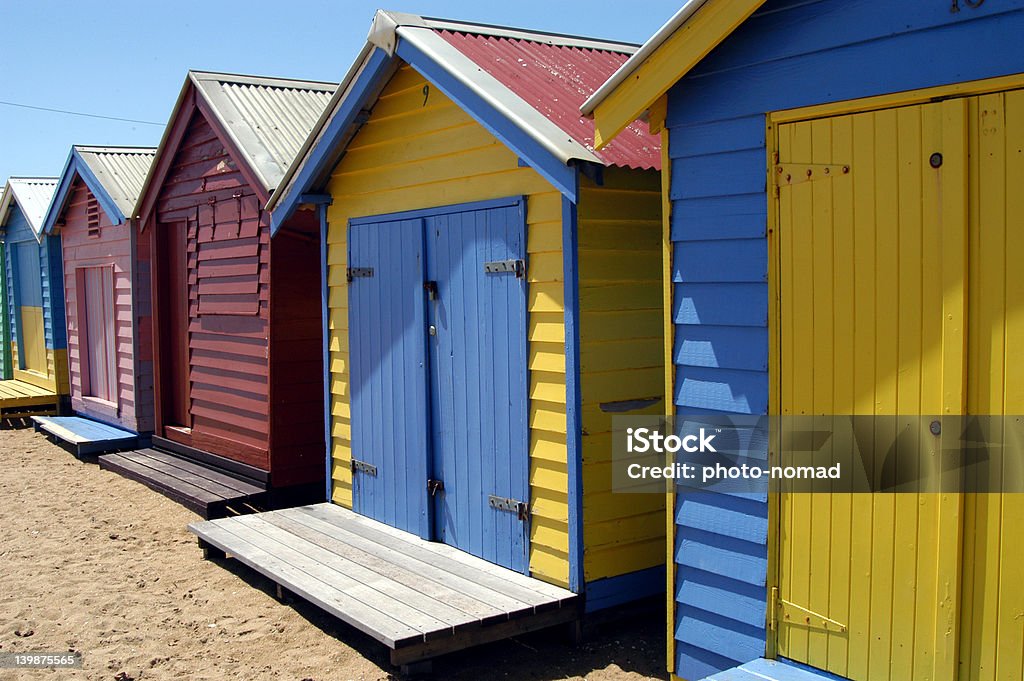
422, 564
457, 562
386, 629
375, 591
194, 475
210, 474
85, 435
179, 490
420, 603
421, 580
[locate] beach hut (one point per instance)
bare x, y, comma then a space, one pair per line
38, 382
110, 366
492, 289
235, 313
843, 235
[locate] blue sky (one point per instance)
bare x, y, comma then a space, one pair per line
128, 59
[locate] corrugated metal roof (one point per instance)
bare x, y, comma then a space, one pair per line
555, 79
121, 171
32, 194
268, 118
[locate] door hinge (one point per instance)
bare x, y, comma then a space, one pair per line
787, 174
520, 508
782, 611
353, 272
518, 267
363, 467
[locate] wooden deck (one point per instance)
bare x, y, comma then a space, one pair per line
85, 436
420, 599
208, 492
20, 399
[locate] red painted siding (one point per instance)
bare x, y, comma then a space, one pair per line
296, 370
112, 248
228, 274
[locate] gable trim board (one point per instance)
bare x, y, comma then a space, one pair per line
689, 36
199, 90
502, 161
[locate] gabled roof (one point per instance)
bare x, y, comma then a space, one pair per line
114, 175
264, 122
685, 39
32, 194
526, 87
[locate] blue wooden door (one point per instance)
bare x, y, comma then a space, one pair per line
388, 378
478, 381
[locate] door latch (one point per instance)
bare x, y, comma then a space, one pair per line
435, 486
431, 288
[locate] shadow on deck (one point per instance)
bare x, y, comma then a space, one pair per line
420, 599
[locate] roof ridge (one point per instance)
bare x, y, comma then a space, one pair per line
113, 148
252, 79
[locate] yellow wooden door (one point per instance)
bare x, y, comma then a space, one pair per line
872, 276
992, 620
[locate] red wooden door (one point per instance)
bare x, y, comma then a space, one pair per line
174, 359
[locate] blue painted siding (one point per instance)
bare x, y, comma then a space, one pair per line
17, 231
54, 313
5, 325
791, 53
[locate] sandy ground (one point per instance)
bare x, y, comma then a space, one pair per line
95, 563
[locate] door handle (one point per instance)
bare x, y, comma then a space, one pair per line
432, 330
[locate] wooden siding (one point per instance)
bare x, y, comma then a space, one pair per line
228, 280
716, 121
5, 324
51, 301
113, 248
296, 359
991, 626
420, 151
621, 360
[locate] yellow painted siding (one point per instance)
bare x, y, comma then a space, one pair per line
992, 610
621, 358
931, 586
872, 314
416, 152
33, 338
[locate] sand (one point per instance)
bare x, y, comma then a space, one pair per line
94, 563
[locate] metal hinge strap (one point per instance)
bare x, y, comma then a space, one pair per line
363, 467
520, 508
353, 272
518, 267
788, 612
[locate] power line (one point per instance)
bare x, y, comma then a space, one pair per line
79, 113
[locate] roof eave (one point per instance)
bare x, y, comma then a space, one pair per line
76, 165
697, 28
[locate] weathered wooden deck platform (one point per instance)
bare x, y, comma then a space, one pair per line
208, 492
420, 599
20, 399
85, 436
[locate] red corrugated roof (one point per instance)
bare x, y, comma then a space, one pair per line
556, 80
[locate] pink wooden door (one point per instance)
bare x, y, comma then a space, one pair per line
98, 345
